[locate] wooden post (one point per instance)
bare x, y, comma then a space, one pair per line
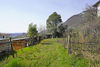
21, 45
68, 45
12, 52
64, 42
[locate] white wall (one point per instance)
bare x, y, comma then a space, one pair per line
98, 11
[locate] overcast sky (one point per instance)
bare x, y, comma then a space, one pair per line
15, 15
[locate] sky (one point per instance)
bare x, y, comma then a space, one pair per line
16, 15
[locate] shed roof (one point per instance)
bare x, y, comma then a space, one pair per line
96, 4
24, 38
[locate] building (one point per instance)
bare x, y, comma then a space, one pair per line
7, 45
97, 6
19, 43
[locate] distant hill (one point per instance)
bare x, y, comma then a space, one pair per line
4, 35
14, 35
74, 21
19, 35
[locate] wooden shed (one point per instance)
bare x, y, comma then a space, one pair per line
19, 43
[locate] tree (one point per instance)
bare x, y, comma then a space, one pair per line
90, 14
32, 32
90, 20
42, 32
52, 23
62, 29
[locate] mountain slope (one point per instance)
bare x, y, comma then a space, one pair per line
17, 34
74, 21
3, 35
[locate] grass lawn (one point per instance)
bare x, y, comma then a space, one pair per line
48, 53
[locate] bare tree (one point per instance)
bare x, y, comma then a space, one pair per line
42, 31
90, 19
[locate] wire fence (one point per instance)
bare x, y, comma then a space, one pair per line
92, 48
88, 50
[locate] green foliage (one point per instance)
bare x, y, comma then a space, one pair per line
52, 54
32, 33
62, 29
54, 17
52, 23
32, 30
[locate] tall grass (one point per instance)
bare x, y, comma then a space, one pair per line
48, 53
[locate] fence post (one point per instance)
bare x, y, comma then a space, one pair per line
64, 43
68, 45
12, 52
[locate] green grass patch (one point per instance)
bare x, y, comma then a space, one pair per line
50, 54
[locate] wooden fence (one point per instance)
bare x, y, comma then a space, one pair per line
88, 50
5, 48
9, 45
90, 47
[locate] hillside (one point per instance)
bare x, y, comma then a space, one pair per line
74, 21
14, 35
49, 53
3, 35
17, 34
